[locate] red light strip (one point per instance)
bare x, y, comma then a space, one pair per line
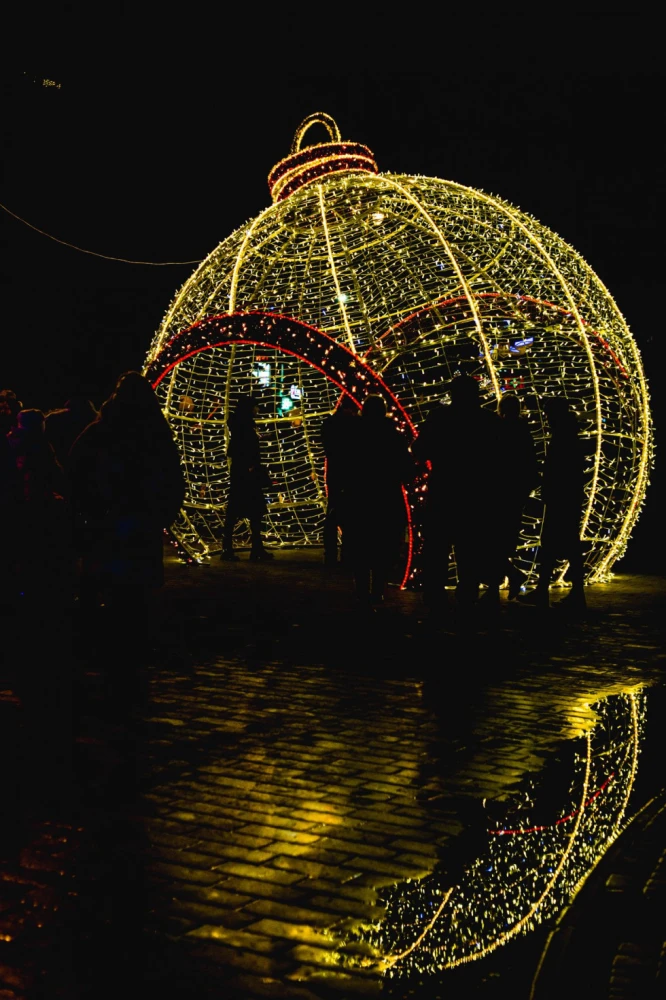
498, 295
410, 540
355, 360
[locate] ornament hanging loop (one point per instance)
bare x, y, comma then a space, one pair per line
318, 118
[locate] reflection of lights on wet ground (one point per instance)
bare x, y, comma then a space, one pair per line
528, 873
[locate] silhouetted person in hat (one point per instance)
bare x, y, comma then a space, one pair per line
247, 480
460, 441
338, 433
519, 476
374, 517
563, 493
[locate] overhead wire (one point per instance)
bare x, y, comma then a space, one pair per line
93, 253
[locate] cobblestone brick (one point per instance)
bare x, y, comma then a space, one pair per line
247, 940
347, 985
294, 914
260, 872
416, 846
346, 906
296, 932
280, 833
219, 954
218, 896
213, 821
401, 871
349, 890
189, 858
207, 841
184, 874
358, 847
198, 914
260, 888
315, 870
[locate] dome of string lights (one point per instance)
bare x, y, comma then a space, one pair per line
355, 281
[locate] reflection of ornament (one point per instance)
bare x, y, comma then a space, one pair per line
526, 874
416, 278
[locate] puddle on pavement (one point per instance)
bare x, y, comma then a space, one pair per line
537, 856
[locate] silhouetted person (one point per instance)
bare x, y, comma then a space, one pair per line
64, 426
40, 521
563, 493
373, 509
9, 408
519, 476
460, 441
338, 432
127, 486
247, 480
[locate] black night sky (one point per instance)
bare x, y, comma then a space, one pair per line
161, 163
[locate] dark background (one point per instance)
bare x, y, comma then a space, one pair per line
161, 159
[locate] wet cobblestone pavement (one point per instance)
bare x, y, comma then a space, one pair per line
239, 818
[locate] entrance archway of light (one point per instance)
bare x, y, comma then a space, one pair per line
269, 331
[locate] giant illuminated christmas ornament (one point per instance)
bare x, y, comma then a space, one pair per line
355, 281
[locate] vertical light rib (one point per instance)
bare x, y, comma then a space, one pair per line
463, 283
322, 209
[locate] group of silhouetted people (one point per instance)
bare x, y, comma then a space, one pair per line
479, 469
87, 495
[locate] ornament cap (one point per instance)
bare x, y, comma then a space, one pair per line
304, 166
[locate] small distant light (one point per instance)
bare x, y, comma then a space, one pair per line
343, 297
378, 216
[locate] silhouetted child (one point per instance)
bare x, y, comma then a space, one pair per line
247, 481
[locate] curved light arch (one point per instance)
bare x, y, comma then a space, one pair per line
337, 363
